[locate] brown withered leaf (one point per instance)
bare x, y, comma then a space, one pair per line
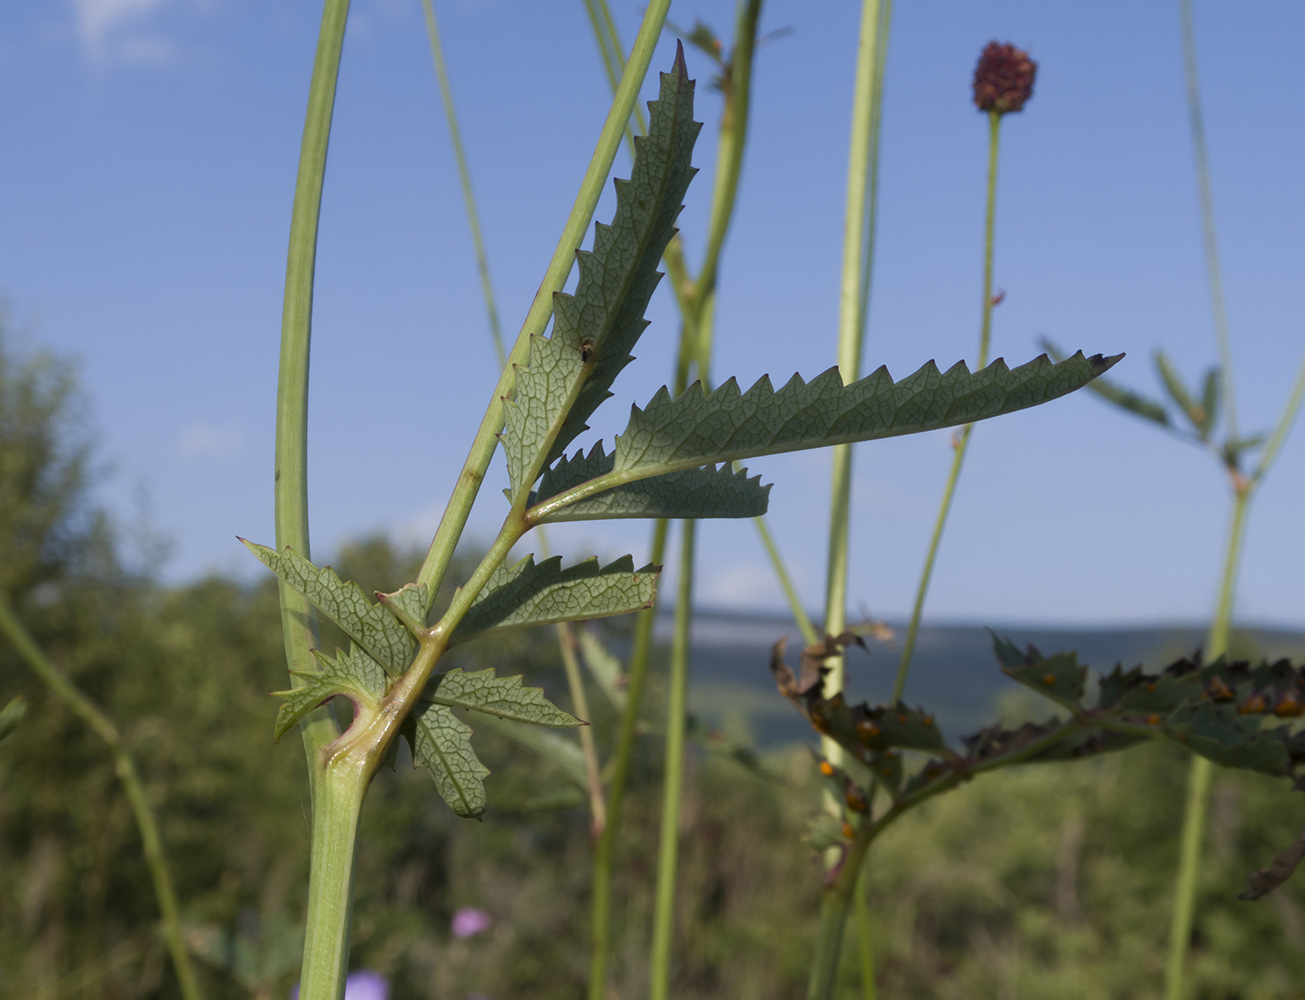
1266, 880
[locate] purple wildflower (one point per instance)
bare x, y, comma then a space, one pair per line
469, 921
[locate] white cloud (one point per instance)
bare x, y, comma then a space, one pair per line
749, 587
210, 442
100, 22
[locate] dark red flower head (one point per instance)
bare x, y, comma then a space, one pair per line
1003, 80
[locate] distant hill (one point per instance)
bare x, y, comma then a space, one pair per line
954, 674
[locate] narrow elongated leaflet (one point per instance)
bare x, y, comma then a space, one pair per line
527, 593
441, 743
594, 330
704, 492
729, 425
370, 625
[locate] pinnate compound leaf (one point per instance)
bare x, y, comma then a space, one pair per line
1173, 384
441, 743
1209, 404
353, 674
409, 604
569, 374
698, 428
370, 625
1059, 677
528, 594
504, 697
703, 492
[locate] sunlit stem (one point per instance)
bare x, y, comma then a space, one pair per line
962, 444
472, 475
125, 768
851, 332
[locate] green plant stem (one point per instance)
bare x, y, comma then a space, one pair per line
1197, 123
298, 619
125, 768
676, 713
864, 936
963, 444
472, 475
800, 616
851, 335
834, 904
1285, 420
605, 852
565, 635
464, 177
1201, 771
336, 808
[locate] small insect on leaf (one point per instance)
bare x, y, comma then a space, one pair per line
586, 350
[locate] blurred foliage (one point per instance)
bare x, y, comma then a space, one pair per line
1047, 882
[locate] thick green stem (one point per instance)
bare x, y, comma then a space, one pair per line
851, 331
677, 709
298, 620
464, 176
337, 805
1198, 787
834, 904
600, 164
125, 768
963, 444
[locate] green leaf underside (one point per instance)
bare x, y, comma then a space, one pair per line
482, 691
527, 594
372, 626
603, 319
702, 492
699, 428
353, 674
408, 604
441, 743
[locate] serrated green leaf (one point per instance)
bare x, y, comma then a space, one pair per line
1059, 677
699, 428
527, 594
594, 329
825, 831
353, 674
441, 743
896, 726
690, 493
605, 667
408, 604
1209, 404
482, 691
1173, 383
1226, 737
370, 625
12, 716
1117, 394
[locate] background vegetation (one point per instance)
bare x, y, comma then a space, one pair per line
1036, 883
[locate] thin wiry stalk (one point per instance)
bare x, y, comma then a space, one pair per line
963, 443
565, 635
125, 768
464, 176
1197, 122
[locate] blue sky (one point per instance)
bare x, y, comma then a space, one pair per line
147, 169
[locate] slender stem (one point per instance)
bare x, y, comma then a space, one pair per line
1197, 122
464, 176
1285, 420
1199, 775
580, 703
834, 904
676, 712
963, 444
804, 623
298, 619
125, 768
604, 854
864, 936
559, 268
851, 332
336, 808
876, 119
